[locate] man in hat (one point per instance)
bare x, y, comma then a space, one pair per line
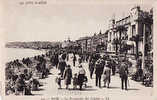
91, 67
123, 71
98, 71
113, 66
62, 65
56, 59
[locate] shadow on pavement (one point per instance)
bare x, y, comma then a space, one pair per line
132, 89
84, 89
88, 86
89, 89
112, 87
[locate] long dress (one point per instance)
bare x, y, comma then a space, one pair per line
81, 75
107, 75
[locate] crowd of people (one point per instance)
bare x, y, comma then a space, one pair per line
22, 76
105, 66
102, 66
66, 72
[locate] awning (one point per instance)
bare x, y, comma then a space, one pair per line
130, 43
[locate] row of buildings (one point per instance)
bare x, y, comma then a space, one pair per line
132, 34
97, 42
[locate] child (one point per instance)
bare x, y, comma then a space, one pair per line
58, 80
75, 81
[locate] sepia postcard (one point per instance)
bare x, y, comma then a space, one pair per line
77, 50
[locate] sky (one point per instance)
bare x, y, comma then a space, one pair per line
56, 21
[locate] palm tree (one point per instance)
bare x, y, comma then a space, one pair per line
122, 30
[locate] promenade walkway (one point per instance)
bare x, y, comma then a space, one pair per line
50, 88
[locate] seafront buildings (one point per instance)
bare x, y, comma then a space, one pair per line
132, 34
133, 30
92, 44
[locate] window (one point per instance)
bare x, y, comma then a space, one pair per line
133, 30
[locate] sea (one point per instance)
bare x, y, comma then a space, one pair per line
20, 53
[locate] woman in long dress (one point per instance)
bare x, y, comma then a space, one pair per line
107, 75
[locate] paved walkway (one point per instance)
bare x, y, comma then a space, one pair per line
50, 88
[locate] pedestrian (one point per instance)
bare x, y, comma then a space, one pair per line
35, 83
56, 59
113, 66
27, 89
64, 56
79, 60
62, 65
123, 71
87, 57
91, 67
81, 76
67, 57
98, 72
43, 69
74, 60
107, 75
68, 76
75, 81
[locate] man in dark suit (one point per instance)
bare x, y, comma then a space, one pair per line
123, 71
98, 71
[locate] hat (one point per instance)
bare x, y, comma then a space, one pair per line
107, 62
80, 66
68, 66
98, 61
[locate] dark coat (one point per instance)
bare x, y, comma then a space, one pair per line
62, 65
123, 71
56, 60
99, 69
91, 65
64, 56
68, 76
74, 59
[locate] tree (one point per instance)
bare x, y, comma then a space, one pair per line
136, 39
118, 41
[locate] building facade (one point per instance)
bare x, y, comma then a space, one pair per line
130, 30
97, 42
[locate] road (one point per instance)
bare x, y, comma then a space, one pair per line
50, 88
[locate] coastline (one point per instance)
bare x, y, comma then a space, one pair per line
23, 50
